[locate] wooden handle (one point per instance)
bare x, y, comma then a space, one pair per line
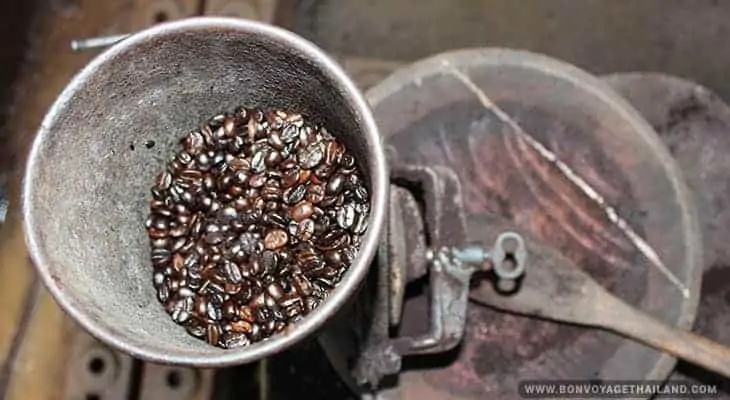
626, 320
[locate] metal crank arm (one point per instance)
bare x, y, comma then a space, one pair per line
427, 235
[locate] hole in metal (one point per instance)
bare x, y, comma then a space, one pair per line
160, 16
510, 262
97, 365
174, 379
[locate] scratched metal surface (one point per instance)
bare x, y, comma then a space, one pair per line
694, 123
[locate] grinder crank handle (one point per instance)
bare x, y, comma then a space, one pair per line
558, 290
621, 318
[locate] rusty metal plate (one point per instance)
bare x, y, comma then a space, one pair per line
694, 123
431, 118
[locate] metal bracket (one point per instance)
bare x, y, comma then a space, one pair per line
427, 237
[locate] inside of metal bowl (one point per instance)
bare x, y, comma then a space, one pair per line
113, 130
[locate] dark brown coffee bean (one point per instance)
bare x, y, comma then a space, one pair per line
290, 178
245, 313
194, 143
236, 340
200, 307
257, 181
158, 278
232, 288
304, 175
214, 238
302, 285
161, 257
302, 210
305, 229
315, 193
335, 185
310, 303
197, 330
333, 258
269, 260
295, 194
213, 332
289, 134
275, 220
164, 180
334, 239
361, 225
275, 291
273, 158
346, 216
163, 292
255, 267
233, 273
180, 316
215, 312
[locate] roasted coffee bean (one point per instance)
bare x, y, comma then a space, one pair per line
334, 239
347, 162
160, 257
214, 238
361, 225
315, 193
335, 184
269, 260
200, 306
253, 268
257, 181
311, 156
232, 288
163, 292
295, 194
275, 220
194, 143
252, 223
334, 258
215, 311
275, 291
275, 239
196, 330
305, 229
302, 285
301, 211
164, 180
346, 216
236, 340
213, 332
159, 243
273, 158
289, 134
290, 178
328, 201
158, 278
233, 272
180, 316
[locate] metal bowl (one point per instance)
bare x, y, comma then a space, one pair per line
85, 195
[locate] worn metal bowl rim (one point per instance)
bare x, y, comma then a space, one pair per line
478, 57
350, 283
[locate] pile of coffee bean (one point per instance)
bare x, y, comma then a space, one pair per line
252, 223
